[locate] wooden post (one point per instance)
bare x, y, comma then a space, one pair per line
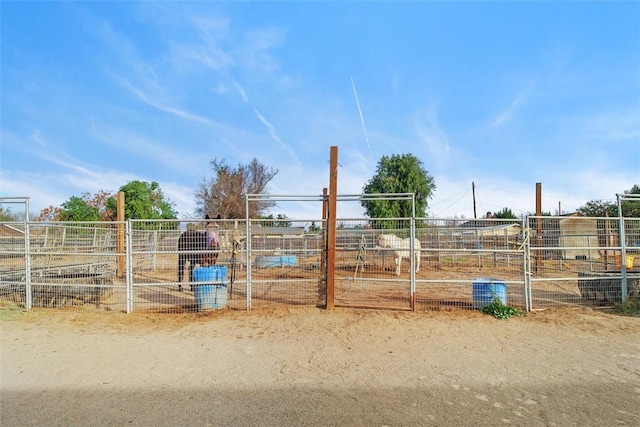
325, 222
538, 224
120, 241
331, 227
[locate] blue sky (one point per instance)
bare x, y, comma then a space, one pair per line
503, 94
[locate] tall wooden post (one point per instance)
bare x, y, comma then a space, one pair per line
120, 241
331, 227
538, 224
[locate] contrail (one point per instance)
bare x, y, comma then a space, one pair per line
364, 128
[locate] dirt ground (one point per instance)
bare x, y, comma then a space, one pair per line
309, 366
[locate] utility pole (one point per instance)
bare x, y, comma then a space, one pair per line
473, 190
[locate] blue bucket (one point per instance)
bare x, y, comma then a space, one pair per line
212, 293
485, 289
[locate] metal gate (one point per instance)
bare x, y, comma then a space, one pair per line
358, 270
375, 259
285, 259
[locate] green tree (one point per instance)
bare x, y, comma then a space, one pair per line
144, 200
631, 208
398, 174
505, 213
280, 220
314, 228
224, 195
7, 215
600, 208
78, 209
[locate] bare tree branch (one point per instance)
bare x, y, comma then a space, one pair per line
224, 195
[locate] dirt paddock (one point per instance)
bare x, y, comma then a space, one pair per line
309, 366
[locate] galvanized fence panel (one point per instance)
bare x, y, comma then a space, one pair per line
62, 265
286, 263
577, 261
465, 263
160, 250
13, 262
283, 259
367, 261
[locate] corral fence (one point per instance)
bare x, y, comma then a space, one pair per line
538, 262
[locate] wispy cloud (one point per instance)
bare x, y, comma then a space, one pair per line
147, 81
212, 29
76, 171
241, 91
431, 133
254, 51
208, 55
42, 190
209, 47
183, 114
221, 49
166, 155
37, 137
507, 115
272, 133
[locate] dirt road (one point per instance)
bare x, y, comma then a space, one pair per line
314, 367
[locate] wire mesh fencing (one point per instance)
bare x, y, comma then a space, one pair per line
465, 260
435, 266
405, 264
61, 264
578, 260
279, 265
373, 263
286, 263
171, 260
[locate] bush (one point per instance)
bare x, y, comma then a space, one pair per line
630, 307
500, 311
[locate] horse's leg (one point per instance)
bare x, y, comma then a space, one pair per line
191, 265
417, 261
398, 264
181, 259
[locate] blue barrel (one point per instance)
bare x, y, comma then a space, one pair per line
484, 291
212, 292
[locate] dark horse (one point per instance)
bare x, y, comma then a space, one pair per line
197, 247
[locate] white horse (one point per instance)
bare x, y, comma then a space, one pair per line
402, 249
